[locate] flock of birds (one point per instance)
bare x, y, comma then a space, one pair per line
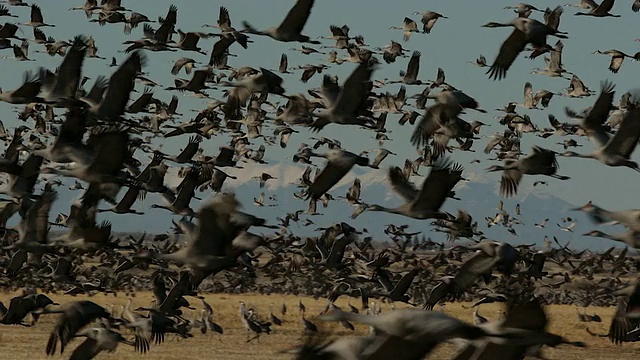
94, 137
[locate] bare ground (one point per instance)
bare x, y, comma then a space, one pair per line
29, 343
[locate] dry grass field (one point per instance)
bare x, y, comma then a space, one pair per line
29, 343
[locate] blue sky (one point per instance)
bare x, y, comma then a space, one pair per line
452, 43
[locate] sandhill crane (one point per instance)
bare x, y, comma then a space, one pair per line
291, 27
339, 163
568, 228
526, 31
584, 4
523, 10
410, 77
423, 330
529, 102
69, 73
601, 10
196, 84
189, 42
5, 12
179, 203
20, 53
617, 150
207, 313
74, 316
111, 150
186, 63
617, 58
553, 66
98, 339
626, 316
479, 62
124, 205
27, 93
392, 51
628, 218
424, 203
526, 316
23, 305
630, 237
121, 84
346, 106
201, 252
22, 178
264, 177
34, 227
409, 26
273, 318
284, 65
188, 152
381, 154
577, 88
36, 19
249, 324
490, 255
540, 162
428, 19
399, 291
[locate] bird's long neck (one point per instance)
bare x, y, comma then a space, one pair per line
384, 209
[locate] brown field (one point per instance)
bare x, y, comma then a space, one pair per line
29, 343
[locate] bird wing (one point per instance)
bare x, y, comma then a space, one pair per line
605, 6
223, 17
141, 103
111, 149
437, 293
620, 324
176, 292
354, 92
509, 182
120, 86
130, 197
330, 175
75, 317
330, 90
401, 185
297, 17
626, 138
405, 282
36, 14
190, 150
97, 90
31, 86
552, 17
70, 71
212, 235
220, 49
509, 51
616, 63
599, 113
414, 65
434, 118
435, 189
284, 63
145, 175
87, 350
477, 265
